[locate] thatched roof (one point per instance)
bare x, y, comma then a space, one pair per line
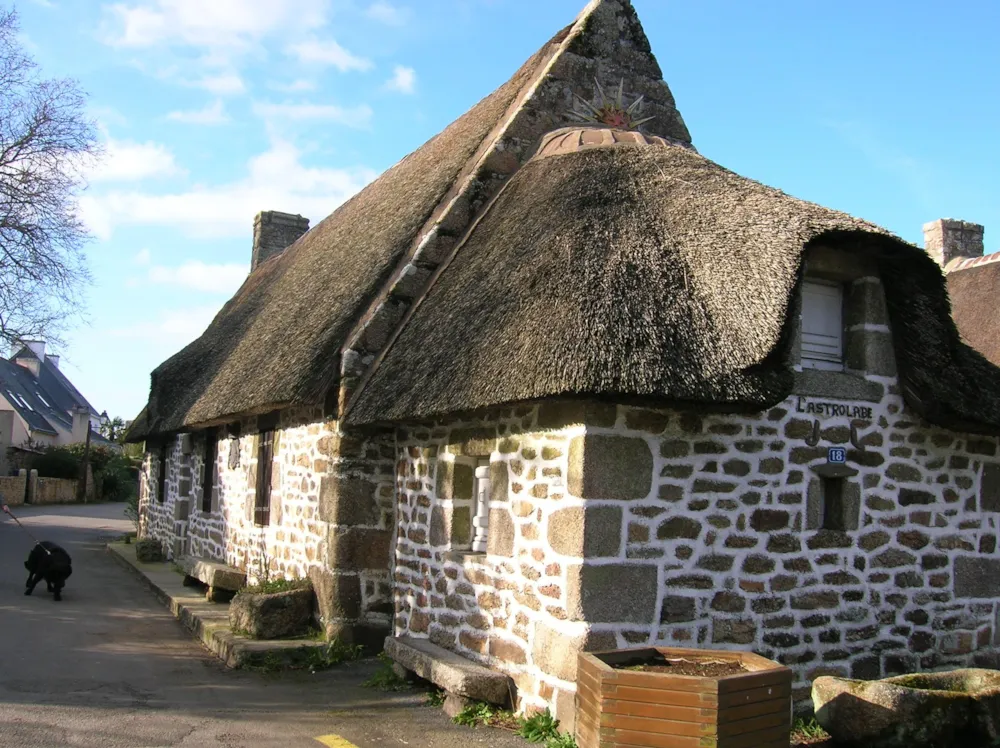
650, 272
974, 289
277, 340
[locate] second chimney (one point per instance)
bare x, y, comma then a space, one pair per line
273, 233
947, 239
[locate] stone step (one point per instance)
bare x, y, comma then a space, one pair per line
216, 575
452, 672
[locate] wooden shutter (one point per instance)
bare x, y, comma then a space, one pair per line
822, 326
262, 502
208, 473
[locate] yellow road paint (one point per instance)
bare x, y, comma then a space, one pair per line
334, 741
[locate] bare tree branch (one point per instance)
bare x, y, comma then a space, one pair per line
46, 144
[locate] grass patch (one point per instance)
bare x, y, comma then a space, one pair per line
540, 729
270, 586
808, 731
385, 678
489, 715
312, 659
436, 697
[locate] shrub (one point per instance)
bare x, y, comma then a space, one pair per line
55, 462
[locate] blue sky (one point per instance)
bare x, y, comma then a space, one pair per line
212, 110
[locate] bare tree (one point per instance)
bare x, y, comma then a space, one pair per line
46, 144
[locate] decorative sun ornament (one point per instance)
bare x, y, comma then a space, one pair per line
611, 112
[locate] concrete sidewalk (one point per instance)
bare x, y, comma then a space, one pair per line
209, 622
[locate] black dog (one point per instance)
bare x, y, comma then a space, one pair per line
49, 562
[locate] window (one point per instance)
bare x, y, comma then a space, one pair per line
822, 326
208, 473
833, 504
481, 519
262, 501
162, 492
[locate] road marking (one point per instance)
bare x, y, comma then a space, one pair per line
334, 741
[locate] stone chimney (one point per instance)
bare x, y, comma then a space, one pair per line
947, 239
273, 233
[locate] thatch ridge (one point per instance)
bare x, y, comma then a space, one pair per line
277, 341
653, 273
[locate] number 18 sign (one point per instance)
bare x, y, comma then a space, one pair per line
837, 455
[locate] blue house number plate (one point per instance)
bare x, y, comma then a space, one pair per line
837, 454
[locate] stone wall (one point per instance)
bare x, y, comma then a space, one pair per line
53, 491
331, 513
12, 488
516, 607
666, 527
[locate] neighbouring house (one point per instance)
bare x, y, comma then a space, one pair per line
548, 385
40, 406
973, 281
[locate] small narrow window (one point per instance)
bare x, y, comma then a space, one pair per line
822, 326
481, 519
833, 504
208, 474
262, 501
161, 495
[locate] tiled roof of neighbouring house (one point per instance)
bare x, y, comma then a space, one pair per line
974, 287
32, 401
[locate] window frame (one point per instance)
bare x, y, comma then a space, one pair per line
262, 492
481, 492
811, 358
162, 460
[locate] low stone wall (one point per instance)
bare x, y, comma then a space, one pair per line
53, 491
12, 488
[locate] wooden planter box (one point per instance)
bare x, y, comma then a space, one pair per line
627, 708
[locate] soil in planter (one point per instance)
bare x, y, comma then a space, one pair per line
657, 663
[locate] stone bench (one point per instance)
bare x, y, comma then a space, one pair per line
223, 581
458, 676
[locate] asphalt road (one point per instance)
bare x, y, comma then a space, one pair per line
110, 667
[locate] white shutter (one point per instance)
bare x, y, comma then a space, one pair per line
822, 326
481, 519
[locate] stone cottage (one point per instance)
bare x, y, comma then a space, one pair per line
548, 385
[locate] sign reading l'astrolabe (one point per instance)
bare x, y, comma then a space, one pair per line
824, 408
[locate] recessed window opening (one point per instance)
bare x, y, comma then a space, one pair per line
822, 325
481, 497
208, 474
262, 499
833, 504
161, 494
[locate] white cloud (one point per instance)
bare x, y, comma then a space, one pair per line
210, 114
403, 79
328, 53
358, 116
199, 276
229, 24
222, 84
171, 326
388, 14
276, 180
301, 84
125, 161
142, 257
